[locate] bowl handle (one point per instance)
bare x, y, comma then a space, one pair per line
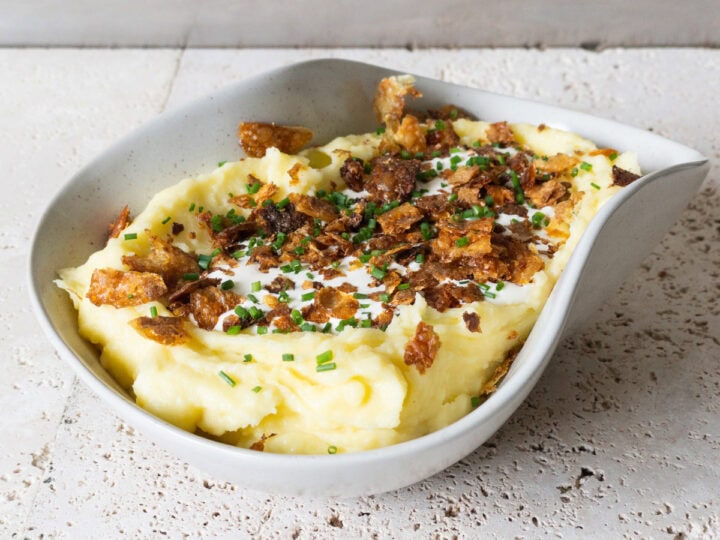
628, 235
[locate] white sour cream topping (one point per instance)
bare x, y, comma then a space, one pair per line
247, 275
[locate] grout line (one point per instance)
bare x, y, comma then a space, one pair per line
51, 445
171, 85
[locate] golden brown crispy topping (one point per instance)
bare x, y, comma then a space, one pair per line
410, 135
623, 178
389, 103
122, 289
335, 303
557, 164
501, 133
399, 219
279, 284
182, 292
472, 321
450, 295
442, 137
468, 239
164, 330
209, 303
259, 446
294, 173
257, 137
314, 207
164, 259
121, 221
462, 175
546, 194
500, 194
353, 173
421, 350
392, 178
491, 386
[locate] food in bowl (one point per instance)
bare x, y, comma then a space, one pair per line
347, 296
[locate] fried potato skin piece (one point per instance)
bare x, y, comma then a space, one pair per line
256, 137
163, 330
119, 289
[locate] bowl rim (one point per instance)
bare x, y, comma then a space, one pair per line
520, 383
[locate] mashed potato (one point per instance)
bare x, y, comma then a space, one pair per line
410, 358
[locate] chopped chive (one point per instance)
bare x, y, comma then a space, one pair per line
364, 306
308, 296
613, 156
216, 222
130, 236
537, 219
474, 402
262, 330
255, 286
288, 357
253, 298
360, 296
403, 287
436, 153
257, 389
204, 261
254, 312
227, 285
326, 328
462, 241
167, 219
500, 286
253, 188
241, 312
489, 201
296, 316
283, 203
365, 323
419, 258
307, 327
384, 297
326, 367
453, 113
453, 197
426, 230
439, 166
227, 378
193, 276
233, 330
283, 297
248, 358
377, 273
439, 125
239, 254
574, 172
153, 311
380, 130
593, 184
324, 358
192, 207
332, 449
585, 166
404, 154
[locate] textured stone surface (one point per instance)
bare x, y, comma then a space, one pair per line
619, 438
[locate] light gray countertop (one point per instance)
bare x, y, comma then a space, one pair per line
621, 437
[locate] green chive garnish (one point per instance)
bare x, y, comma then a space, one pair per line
326, 367
227, 378
227, 285
377, 273
613, 156
233, 330
403, 287
474, 402
248, 358
153, 311
324, 358
308, 296
585, 166
593, 184
193, 276
462, 242
255, 286
130, 236
288, 357
257, 389
262, 330
332, 449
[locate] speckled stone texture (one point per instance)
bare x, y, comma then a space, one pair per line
621, 437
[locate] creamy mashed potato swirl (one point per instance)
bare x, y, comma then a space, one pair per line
269, 391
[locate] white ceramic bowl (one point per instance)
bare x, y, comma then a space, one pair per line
334, 97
